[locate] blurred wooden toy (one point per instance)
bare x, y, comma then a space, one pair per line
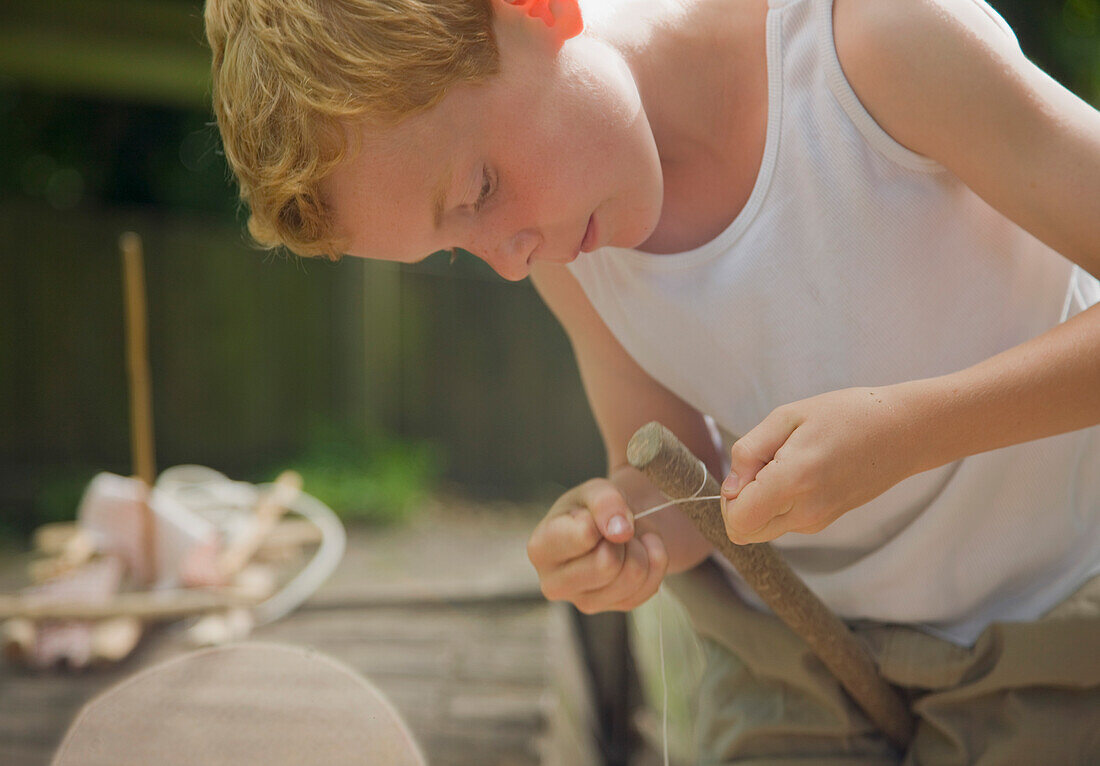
192, 544
77, 613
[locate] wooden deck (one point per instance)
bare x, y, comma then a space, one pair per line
444, 616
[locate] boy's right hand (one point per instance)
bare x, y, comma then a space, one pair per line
583, 555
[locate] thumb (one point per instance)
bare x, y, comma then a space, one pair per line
609, 509
756, 449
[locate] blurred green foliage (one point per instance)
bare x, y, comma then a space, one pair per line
60, 491
1062, 37
376, 479
69, 152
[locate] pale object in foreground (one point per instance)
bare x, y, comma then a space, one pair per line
248, 704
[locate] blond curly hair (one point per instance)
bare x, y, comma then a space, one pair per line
290, 75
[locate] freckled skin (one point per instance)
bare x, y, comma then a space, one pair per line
559, 135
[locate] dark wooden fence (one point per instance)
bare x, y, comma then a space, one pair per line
250, 352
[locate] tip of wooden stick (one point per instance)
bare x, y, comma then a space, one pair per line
130, 242
644, 445
288, 485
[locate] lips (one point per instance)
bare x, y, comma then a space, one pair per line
591, 234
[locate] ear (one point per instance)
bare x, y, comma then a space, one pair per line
562, 17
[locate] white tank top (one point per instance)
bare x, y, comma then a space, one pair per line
856, 262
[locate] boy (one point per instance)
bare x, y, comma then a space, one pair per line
860, 234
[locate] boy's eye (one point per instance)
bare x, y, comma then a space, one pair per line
486, 188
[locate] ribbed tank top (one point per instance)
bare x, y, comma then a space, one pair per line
857, 262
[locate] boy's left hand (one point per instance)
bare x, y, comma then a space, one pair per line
808, 463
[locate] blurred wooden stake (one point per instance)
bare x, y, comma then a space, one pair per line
141, 399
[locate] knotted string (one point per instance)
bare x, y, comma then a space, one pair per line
660, 596
694, 496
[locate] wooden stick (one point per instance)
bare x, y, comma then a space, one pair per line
114, 638
141, 397
147, 605
291, 534
288, 535
269, 510
673, 469
77, 551
17, 637
50, 539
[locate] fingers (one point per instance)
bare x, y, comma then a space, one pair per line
658, 566
780, 525
757, 448
766, 508
577, 522
607, 506
611, 579
591, 572
754, 494
561, 537
584, 556
774, 503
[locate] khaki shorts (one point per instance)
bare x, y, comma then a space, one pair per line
1025, 693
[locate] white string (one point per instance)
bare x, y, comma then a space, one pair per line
694, 496
664, 681
660, 591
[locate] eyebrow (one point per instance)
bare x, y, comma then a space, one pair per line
439, 199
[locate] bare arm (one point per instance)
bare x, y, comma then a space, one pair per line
943, 79
623, 398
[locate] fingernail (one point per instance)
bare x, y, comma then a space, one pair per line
617, 526
729, 486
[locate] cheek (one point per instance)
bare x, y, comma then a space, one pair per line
537, 186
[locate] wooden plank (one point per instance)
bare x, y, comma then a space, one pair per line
26, 753
426, 593
151, 605
496, 706
447, 670
503, 661
485, 624
500, 747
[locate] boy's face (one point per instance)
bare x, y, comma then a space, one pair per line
512, 170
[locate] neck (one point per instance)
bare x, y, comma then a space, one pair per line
691, 60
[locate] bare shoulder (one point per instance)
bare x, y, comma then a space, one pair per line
947, 79
870, 33
926, 15
894, 52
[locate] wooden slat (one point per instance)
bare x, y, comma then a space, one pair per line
153, 605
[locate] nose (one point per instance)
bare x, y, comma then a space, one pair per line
509, 257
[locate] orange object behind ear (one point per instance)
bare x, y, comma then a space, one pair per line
564, 16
